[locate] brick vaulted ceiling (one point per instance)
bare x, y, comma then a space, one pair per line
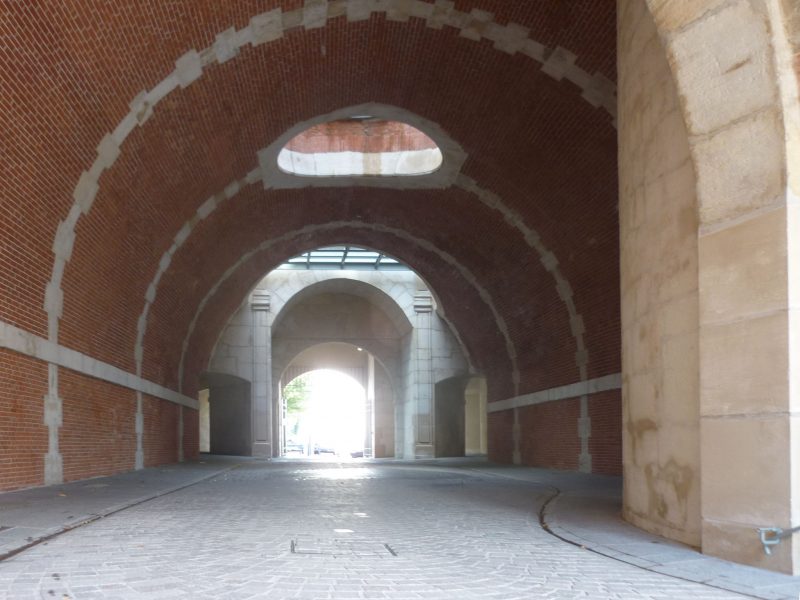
535, 139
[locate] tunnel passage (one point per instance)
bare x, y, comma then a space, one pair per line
604, 247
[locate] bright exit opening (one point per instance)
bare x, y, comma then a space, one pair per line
325, 415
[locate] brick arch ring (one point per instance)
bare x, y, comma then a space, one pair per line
426, 245
453, 158
266, 27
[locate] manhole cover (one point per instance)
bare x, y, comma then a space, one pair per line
349, 546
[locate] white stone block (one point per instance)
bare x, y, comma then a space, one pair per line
559, 61
225, 45
549, 261
315, 14
266, 27
578, 76
399, 10
188, 68
253, 176
337, 8
421, 9
64, 241
141, 108
107, 151
162, 90
52, 411
600, 90
124, 127
53, 468
582, 357
732, 179
163, 265
232, 189
292, 19
511, 38
723, 64
183, 233
207, 207
564, 289
53, 299
476, 24
442, 9
85, 192
577, 326
150, 294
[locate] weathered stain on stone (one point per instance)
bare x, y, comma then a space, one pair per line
669, 487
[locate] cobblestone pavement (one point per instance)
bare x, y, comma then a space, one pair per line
311, 530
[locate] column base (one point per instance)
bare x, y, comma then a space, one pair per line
262, 449
423, 451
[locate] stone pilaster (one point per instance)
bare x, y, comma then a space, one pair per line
422, 376
53, 462
262, 375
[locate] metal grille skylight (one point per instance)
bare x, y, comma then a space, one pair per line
343, 257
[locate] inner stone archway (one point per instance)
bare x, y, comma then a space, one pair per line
385, 309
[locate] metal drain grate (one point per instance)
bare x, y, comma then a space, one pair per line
336, 547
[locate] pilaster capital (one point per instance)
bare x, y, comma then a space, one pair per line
260, 300
423, 302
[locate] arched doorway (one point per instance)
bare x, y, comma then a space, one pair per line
324, 413
336, 399
460, 417
225, 407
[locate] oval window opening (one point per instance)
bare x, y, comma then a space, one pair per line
360, 146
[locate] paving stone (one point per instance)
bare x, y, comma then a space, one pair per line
231, 537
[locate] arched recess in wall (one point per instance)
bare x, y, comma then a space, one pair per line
225, 409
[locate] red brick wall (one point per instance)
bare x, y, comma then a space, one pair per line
98, 435
605, 444
501, 442
533, 140
23, 434
191, 434
160, 438
550, 434
575, 183
371, 135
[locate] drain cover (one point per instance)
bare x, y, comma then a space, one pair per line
349, 546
